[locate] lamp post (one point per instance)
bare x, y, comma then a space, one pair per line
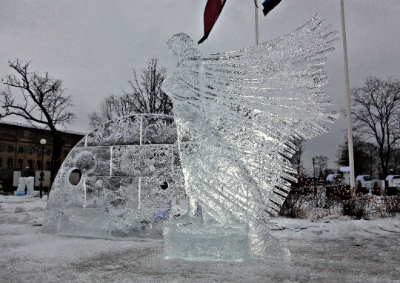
315, 185
42, 142
313, 164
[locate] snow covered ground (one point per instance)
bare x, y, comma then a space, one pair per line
334, 249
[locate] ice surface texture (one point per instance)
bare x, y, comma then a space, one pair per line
237, 114
121, 165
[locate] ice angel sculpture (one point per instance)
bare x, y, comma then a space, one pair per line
237, 114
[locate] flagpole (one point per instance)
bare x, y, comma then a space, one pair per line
256, 19
349, 123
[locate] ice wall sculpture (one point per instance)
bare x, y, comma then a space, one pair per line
109, 184
237, 114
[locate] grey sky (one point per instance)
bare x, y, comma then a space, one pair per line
93, 45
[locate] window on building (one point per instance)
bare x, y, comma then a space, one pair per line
21, 149
30, 164
10, 148
39, 151
48, 165
1, 163
19, 164
1, 147
48, 152
9, 163
30, 150
38, 165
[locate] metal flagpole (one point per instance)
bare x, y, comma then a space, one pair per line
256, 19
349, 123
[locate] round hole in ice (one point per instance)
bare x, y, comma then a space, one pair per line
75, 176
164, 185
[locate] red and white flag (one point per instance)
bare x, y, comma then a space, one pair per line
211, 14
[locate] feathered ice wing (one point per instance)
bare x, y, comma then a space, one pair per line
237, 113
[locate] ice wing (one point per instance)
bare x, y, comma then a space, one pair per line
237, 112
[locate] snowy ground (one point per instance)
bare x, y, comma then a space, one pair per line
330, 250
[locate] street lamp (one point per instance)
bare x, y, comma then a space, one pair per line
315, 185
313, 164
42, 142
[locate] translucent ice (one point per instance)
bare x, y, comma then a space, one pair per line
109, 184
227, 148
236, 115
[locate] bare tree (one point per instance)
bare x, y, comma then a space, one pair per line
394, 162
375, 112
113, 106
41, 100
94, 120
322, 163
364, 156
147, 93
145, 96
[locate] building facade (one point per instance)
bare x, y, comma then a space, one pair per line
20, 150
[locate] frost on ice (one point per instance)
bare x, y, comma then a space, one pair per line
109, 184
237, 114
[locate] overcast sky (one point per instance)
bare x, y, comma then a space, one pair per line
92, 45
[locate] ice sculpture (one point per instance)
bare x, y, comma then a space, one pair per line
109, 184
237, 114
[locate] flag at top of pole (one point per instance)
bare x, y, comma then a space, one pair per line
211, 14
213, 10
269, 5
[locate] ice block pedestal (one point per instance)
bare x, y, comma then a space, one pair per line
205, 242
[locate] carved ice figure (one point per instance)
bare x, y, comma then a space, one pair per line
237, 114
109, 184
